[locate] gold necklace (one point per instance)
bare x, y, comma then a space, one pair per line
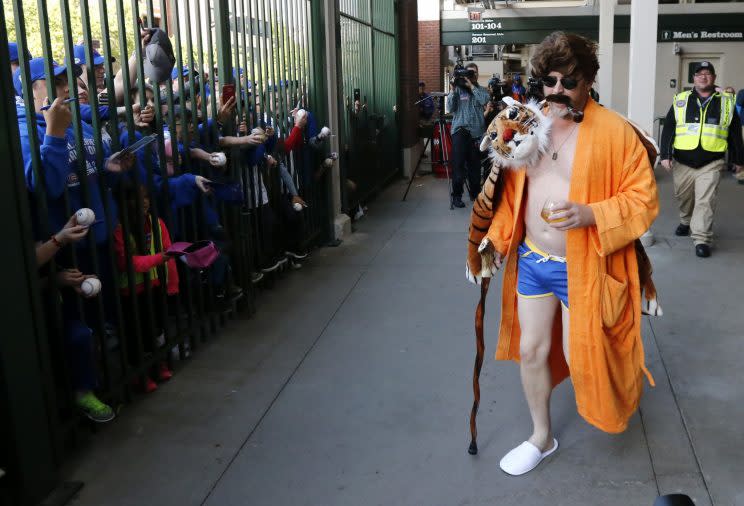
555, 151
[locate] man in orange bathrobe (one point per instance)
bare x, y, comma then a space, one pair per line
571, 300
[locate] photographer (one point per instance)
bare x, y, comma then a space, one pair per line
466, 101
495, 105
534, 89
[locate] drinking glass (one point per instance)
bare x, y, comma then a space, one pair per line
547, 211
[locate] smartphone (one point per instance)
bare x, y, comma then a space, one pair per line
228, 92
357, 94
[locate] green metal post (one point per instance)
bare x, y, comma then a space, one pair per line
24, 426
222, 37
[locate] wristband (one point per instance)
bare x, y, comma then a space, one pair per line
56, 241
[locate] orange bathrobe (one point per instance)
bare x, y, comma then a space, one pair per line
611, 173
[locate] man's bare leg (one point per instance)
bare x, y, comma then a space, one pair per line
536, 322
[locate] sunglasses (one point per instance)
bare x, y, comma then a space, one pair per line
568, 82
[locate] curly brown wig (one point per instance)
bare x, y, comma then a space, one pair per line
568, 54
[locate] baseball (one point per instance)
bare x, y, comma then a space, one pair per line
324, 132
85, 217
301, 114
297, 206
91, 287
328, 162
218, 159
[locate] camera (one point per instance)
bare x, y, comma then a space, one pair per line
461, 75
534, 89
496, 88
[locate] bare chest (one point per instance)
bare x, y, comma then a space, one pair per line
555, 168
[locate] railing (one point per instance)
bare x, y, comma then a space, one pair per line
268, 50
369, 90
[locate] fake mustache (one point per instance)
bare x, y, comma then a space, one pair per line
576, 115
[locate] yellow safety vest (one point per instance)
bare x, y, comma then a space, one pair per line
713, 138
139, 277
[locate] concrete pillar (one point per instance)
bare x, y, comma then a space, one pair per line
642, 74
342, 223
408, 57
642, 66
606, 40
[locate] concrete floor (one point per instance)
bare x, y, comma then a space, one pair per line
352, 386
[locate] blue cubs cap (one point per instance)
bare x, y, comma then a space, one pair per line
13, 52
80, 57
37, 71
184, 72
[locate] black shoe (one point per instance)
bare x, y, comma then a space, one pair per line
702, 250
457, 202
682, 230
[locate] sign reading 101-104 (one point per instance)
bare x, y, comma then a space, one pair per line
484, 31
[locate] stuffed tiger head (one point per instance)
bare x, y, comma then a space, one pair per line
518, 135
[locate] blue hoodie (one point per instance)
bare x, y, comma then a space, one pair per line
182, 190
59, 162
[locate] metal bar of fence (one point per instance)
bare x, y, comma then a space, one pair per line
28, 450
273, 42
97, 125
272, 176
181, 300
249, 173
197, 211
136, 316
37, 174
160, 333
185, 165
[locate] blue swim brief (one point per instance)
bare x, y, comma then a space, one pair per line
541, 274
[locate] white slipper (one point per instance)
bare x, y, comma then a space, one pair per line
524, 458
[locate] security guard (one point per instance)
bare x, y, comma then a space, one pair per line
700, 127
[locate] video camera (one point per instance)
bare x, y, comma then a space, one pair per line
496, 88
534, 89
461, 75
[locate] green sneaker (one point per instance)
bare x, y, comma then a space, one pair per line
94, 408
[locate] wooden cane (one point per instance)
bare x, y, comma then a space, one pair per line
480, 350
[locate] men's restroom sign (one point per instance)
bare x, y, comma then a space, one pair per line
701, 35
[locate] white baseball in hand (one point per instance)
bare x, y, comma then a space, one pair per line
301, 114
85, 217
91, 287
218, 159
324, 132
297, 206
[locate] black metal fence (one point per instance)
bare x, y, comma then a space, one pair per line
236, 174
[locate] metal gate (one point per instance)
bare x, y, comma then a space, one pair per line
369, 89
269, 51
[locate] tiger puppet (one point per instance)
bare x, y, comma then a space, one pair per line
517, 138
